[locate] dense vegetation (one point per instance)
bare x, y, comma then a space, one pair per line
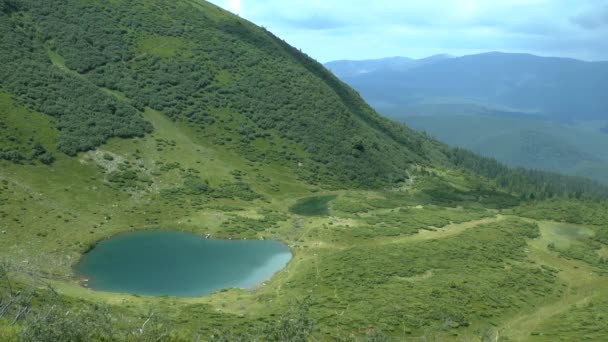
61, 319
590, 212
85, 115
96, 67
447, 282
203, 67
123, 115
531, 183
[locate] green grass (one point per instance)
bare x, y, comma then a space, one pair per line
313, 206
566, 317
583, 321
164, 46
410, 221
435, 252
590, 212
470, 279
228, 79
454, 281
20, 128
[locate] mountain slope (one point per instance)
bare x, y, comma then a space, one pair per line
197, 66
95, 69
122, 115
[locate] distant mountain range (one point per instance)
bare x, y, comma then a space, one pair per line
556, 88
524, 110
348, 68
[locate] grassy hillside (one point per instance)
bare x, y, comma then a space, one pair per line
127, 115
199, 65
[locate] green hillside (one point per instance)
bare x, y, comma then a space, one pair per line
118, 116
201, 66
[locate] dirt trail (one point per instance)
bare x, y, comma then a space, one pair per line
447, 231
582, 285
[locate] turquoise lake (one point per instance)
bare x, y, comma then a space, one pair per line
179, 264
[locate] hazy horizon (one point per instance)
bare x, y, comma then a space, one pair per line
339, 30
458, 56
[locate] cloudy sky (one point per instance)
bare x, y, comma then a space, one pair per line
362, 29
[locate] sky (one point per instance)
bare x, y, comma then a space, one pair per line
361, 29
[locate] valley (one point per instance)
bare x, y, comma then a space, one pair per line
341, 248
524, 110
120, 118
574, 149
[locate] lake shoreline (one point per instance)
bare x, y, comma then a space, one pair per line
256, 268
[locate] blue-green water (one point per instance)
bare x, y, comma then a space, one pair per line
179, 264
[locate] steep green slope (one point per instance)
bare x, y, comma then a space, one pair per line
125, 115
95, 67
77, 61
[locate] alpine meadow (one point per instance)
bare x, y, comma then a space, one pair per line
128, 117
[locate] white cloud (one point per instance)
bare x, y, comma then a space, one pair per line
234, 6
358, 29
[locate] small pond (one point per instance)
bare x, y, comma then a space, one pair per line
313, 206
179, 264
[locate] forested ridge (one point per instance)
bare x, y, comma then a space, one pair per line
96, 66
530, 184
196, 65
